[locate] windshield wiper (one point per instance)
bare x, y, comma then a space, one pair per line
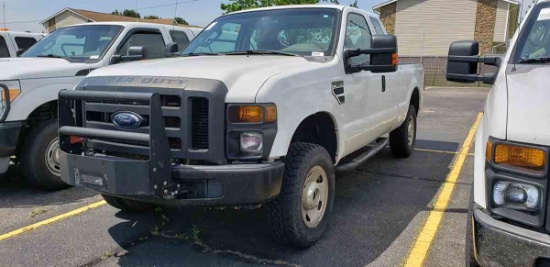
200, 54
50, 55
535, 60
261, 52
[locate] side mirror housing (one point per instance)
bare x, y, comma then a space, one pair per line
383, 54
135, 53
171, 49
463, 60
20, 52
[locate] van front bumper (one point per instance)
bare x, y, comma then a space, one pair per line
499, 243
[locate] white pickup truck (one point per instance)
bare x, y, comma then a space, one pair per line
263, 106
13, 44
29, 85
509, 219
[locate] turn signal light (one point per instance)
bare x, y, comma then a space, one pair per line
520, 156
13, 94
252, 114
489, 150
394, 59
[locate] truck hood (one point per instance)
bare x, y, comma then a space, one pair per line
529, 105
247, 73
33, 68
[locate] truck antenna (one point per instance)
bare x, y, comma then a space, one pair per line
175, 15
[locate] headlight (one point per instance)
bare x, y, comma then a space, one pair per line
515, 195
14, 89
252, 143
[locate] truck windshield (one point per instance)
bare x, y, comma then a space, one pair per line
80, 43
303, 31
534, 40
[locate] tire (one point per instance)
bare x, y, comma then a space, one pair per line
470, 258
292, 223
40, 157
401, 142
127, 205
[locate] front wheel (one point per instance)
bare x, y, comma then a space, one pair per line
403, 139
300, 214
40, 157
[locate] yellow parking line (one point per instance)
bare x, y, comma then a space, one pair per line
440, 151
424, 239
63, 216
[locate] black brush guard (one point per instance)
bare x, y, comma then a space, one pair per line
154, 179
99, 170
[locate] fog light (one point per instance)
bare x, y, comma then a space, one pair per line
252, 142
516, 195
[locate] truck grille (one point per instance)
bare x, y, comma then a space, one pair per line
199, 117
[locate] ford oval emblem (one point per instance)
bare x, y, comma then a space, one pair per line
127, 119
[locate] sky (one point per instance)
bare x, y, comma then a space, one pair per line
23, 15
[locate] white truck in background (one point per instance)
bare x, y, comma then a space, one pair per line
262, 108
30, 85
13, 44
509, 215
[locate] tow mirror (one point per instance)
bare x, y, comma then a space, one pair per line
134, 53
463, 60
383, 55
20, 52
171, 49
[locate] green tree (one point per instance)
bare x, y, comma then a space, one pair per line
131, 13
180, 20
116, 12
151, 17
355, 4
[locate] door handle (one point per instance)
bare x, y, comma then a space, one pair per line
383, 83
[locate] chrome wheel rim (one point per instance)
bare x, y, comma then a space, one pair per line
52, 157
411, 131
314, 196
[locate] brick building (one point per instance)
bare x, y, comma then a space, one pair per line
428, 27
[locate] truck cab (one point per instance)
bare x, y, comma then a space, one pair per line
13, 44
30, 85
508, 222
261, 108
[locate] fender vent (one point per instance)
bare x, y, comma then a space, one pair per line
338, 92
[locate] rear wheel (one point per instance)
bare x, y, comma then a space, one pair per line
40, 157
403, 139
128, 205
300, 214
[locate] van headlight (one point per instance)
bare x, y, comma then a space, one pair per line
516, 195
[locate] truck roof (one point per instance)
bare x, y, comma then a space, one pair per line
126, 24
333, 6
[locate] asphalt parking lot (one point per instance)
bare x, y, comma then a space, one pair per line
380, 215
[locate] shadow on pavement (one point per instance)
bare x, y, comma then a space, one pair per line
16, 193
362, 226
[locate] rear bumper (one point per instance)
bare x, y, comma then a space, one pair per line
220, 185
501, 244
9, 133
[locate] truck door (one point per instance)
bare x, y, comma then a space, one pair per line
364, 89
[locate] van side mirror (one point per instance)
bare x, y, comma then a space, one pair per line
171, 49
383, 54
20, 52
463, 60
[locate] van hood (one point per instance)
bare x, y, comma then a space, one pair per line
245, 73
529, 104
34, 68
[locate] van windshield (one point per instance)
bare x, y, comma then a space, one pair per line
81, 43
303, 31
534, 40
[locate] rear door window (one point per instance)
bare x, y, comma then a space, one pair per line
181, 38
4, 52
24, 42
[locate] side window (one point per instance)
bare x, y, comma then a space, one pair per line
24, 42
377, 26
153, 41
180, 38
358, 37
4, 52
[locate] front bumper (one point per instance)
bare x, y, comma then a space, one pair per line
221, 185
9, 134
501, 244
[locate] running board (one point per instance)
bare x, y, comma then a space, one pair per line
356, 162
